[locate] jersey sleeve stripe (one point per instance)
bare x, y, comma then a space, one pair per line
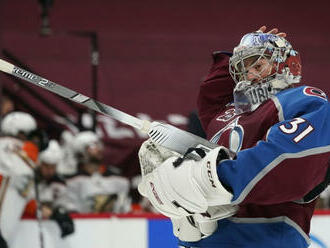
279, 109
273, 164
273, 220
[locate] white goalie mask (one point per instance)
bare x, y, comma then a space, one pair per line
261, 66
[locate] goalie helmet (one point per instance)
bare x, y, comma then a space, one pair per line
17, 122
283, 69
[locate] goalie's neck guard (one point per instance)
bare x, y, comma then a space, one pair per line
248, 96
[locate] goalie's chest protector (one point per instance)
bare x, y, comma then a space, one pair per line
238, 132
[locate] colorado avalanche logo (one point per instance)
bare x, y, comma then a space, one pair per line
236, 135
230, 113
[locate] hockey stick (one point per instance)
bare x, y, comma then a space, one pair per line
162, 134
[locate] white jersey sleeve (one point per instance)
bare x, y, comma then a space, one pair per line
10, 163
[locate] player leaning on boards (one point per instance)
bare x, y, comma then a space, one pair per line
252, 105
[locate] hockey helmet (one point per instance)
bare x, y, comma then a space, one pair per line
284, 70
83, 140
53, 154
18, 122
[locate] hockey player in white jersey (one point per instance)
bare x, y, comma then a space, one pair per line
51, 186
16, 177
51, 189
93, 189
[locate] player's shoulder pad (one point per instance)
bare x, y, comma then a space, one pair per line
303, 99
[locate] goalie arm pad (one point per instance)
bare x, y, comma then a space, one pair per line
188, 188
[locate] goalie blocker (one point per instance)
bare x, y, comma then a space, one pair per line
182, 187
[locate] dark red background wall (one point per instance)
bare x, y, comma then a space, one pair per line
153, 54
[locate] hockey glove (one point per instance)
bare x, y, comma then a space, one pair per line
188, 230
180, 187
64, 221
199, 226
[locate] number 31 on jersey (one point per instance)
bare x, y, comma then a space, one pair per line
293, 127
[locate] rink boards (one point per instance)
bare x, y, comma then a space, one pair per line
129, 231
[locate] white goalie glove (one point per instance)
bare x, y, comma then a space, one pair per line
182, 187
198, 226
188, 230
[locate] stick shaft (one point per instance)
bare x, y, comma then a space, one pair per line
162, 134
73, 96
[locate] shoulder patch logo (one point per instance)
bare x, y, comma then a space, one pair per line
312, 91
229, 114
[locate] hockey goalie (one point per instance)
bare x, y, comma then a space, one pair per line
258, 188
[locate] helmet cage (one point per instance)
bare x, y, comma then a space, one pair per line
277, 50
276, 57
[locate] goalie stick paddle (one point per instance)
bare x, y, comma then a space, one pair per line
163, 134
